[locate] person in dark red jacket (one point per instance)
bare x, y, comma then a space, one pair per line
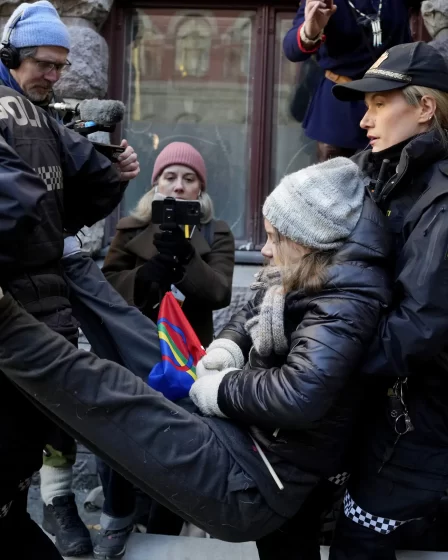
342, 37
275, 416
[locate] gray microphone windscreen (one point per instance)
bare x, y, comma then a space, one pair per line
103, 111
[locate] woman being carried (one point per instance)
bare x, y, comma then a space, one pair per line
277, 421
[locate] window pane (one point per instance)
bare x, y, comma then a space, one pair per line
292, 150
189, 80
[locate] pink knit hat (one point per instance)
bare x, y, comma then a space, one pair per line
180, 153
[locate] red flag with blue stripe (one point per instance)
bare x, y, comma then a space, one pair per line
180, 348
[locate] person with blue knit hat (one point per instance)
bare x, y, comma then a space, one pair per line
33, 56
39, 42
40, 25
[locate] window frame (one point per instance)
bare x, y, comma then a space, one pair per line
260, 145
261, 118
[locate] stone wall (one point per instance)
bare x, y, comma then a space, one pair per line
435, 17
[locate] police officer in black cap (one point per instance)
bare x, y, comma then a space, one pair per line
401, 469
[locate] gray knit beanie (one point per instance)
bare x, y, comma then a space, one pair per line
318, 206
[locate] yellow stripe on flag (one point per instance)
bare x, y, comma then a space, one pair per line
180, 359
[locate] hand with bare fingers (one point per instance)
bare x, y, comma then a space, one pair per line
317, 15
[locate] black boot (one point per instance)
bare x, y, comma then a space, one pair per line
61, 519
111, 543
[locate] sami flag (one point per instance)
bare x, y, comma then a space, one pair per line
180, 349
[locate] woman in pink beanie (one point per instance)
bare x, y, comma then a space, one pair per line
140, 259
136, 263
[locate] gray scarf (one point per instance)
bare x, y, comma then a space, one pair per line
267, 328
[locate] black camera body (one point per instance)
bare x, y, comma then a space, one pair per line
177, 212
85, 128
111, 151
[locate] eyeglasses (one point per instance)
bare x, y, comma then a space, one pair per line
45, 67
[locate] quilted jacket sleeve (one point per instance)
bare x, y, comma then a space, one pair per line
325, 350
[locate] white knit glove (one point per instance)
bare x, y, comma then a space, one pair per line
204, 393
72, 245
221, 354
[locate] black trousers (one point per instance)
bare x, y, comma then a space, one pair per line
119, 494
26, 429
205, 470
353, 541
120, 502
371, 526
299, 537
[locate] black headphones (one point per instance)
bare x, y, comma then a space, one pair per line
9, 55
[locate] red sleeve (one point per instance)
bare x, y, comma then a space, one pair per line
303, 48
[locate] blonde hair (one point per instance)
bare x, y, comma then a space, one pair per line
413, 96
300, 271
143, 210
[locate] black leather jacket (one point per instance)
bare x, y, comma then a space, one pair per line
304, 404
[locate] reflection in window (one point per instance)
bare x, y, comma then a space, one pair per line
291, 149
193, 46
186, 118
210, 112
147, 51
151, 49
238, 50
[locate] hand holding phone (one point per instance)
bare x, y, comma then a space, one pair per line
172, 242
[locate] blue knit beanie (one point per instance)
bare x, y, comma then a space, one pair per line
40, 25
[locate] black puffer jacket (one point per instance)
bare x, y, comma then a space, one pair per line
304, 404
412, 338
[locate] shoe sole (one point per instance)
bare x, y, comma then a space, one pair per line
105, 556
81, 549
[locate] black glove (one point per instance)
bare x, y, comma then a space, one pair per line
161, 269
173, 242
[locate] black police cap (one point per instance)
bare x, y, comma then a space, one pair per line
417, 64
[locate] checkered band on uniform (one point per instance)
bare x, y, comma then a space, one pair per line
379, 524
52, 177
339, 479
23, 485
